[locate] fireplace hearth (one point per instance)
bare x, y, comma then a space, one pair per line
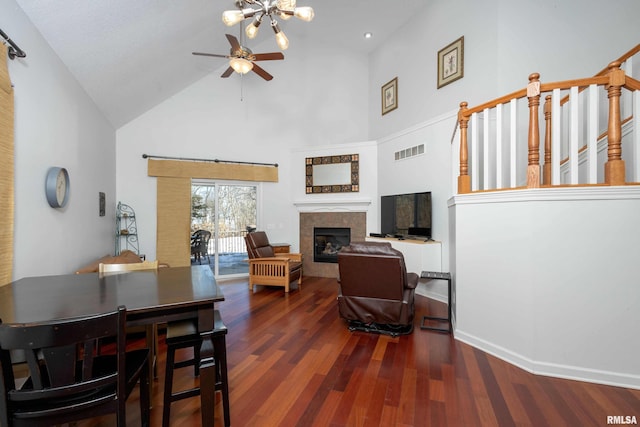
328, 242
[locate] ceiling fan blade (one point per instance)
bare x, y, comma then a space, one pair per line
261, 72
215, 55
268, 56
235, 45
227, 72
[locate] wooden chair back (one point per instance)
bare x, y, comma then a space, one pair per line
64, 382
122, 268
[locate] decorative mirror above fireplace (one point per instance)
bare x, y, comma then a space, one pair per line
332, 174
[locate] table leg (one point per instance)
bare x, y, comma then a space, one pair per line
207, 367
151, 345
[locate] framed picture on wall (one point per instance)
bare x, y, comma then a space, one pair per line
451, 63
390, 96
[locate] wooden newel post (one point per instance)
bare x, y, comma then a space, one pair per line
464, 180
546, 169
614, 173
533, 168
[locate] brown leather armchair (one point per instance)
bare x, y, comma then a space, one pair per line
268, 268
376, 294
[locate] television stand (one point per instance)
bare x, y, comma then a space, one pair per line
418, 254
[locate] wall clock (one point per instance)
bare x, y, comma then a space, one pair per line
57, 186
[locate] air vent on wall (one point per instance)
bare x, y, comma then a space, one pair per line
409, 152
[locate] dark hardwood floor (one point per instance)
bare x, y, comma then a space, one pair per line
292, 362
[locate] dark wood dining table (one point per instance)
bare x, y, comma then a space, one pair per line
150, 296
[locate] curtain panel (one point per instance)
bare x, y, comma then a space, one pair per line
173, 245
6, 170
173, 210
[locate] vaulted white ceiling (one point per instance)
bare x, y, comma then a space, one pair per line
130, 55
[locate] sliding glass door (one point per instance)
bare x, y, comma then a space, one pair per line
226, 210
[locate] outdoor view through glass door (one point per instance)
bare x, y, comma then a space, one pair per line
227, 212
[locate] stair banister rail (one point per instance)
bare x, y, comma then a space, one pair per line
633, 51
614, 80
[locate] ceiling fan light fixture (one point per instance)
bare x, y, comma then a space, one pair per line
232, 17
284, 6
304, 13
284, 9
281, 38
252, 29
282, 41
241, 65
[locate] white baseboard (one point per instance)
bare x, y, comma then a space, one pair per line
422, 290
551, 369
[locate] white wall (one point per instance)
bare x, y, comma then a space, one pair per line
365, 200
547, 279
248, 119
56, 124
504, 42
430, 171
561, 40
506, 271
411, 55
310, 104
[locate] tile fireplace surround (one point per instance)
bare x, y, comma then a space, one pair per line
356, 221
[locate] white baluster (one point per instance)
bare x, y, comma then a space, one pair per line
499, 165
556, 143
512, 142
474, 152
574, 134
592, 135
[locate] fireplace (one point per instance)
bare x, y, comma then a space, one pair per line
354, 221
328, 242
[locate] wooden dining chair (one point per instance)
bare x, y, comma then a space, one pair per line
175, 329
123, 268
151, 331
67, 381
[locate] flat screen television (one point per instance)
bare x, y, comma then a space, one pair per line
406, 215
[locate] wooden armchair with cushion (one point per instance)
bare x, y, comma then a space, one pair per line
268, 268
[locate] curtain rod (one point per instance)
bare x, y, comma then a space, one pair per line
150, 156
14, 50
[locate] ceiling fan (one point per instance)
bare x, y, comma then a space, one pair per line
242, 60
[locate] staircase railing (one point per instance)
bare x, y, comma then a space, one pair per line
573, 126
